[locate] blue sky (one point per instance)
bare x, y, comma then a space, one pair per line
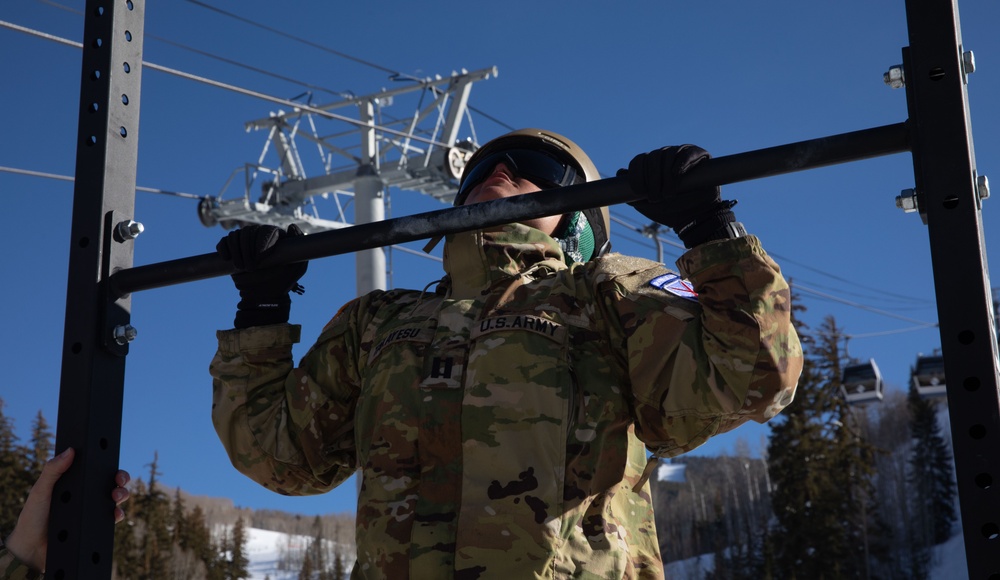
618, 78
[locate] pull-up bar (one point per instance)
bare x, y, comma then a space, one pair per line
101, 276
799, 156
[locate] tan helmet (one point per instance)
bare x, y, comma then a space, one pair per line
563, 149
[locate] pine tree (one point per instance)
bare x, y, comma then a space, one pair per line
41, 445
339, 570
222, 568
317, 549
822, 471
238, 561
127, 562
178, 522
931, 473
198, 537
14, 479
306, 573
154, 510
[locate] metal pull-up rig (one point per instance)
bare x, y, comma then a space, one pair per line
948, 194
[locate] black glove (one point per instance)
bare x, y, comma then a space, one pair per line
263, 293
697, 215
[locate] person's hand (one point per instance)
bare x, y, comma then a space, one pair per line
263, 292
28, 541
696, 215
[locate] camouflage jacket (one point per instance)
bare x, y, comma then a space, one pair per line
11, 568
499, 422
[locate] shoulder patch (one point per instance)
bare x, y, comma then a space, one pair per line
675, 285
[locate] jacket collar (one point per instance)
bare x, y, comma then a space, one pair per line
476, 262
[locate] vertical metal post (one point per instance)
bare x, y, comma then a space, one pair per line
369, 205
81, 526
949, 199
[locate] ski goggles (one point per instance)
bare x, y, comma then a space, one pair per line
540, 168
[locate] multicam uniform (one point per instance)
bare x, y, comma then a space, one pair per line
11, 568
499, 422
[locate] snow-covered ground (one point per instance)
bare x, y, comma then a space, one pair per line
264, 548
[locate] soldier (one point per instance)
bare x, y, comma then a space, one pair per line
501, 421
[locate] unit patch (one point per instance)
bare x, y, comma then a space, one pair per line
675, 285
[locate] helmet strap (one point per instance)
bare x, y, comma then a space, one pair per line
576, 238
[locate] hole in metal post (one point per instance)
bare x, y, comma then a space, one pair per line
94, 107
98, 42
124, 99
128, 36
991, 531
950, 202
971, 384
95, 75
936, 74
966, 337
122, 132
92, 141
129, 4
62, 536
127, 68
66, 496
977, 431
104, 443
99, 11
984, 480
60, 574
76, 348
95, 558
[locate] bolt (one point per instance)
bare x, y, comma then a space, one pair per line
129, 230
983, 185
894, 78
125, 334
907, 200
969, 62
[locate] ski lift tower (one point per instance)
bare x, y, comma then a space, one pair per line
421, 152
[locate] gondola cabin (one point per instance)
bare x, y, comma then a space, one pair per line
928, 376
862, 383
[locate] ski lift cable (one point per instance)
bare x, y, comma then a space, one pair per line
341, 94
885, 295
785, 259
397, 74
229, 87
921, 324
72, 179
888, 332
814, 292
293, 37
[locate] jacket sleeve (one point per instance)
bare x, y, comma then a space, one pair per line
290, 429
699, 367
11, 568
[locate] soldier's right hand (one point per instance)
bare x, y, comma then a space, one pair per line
263, 292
